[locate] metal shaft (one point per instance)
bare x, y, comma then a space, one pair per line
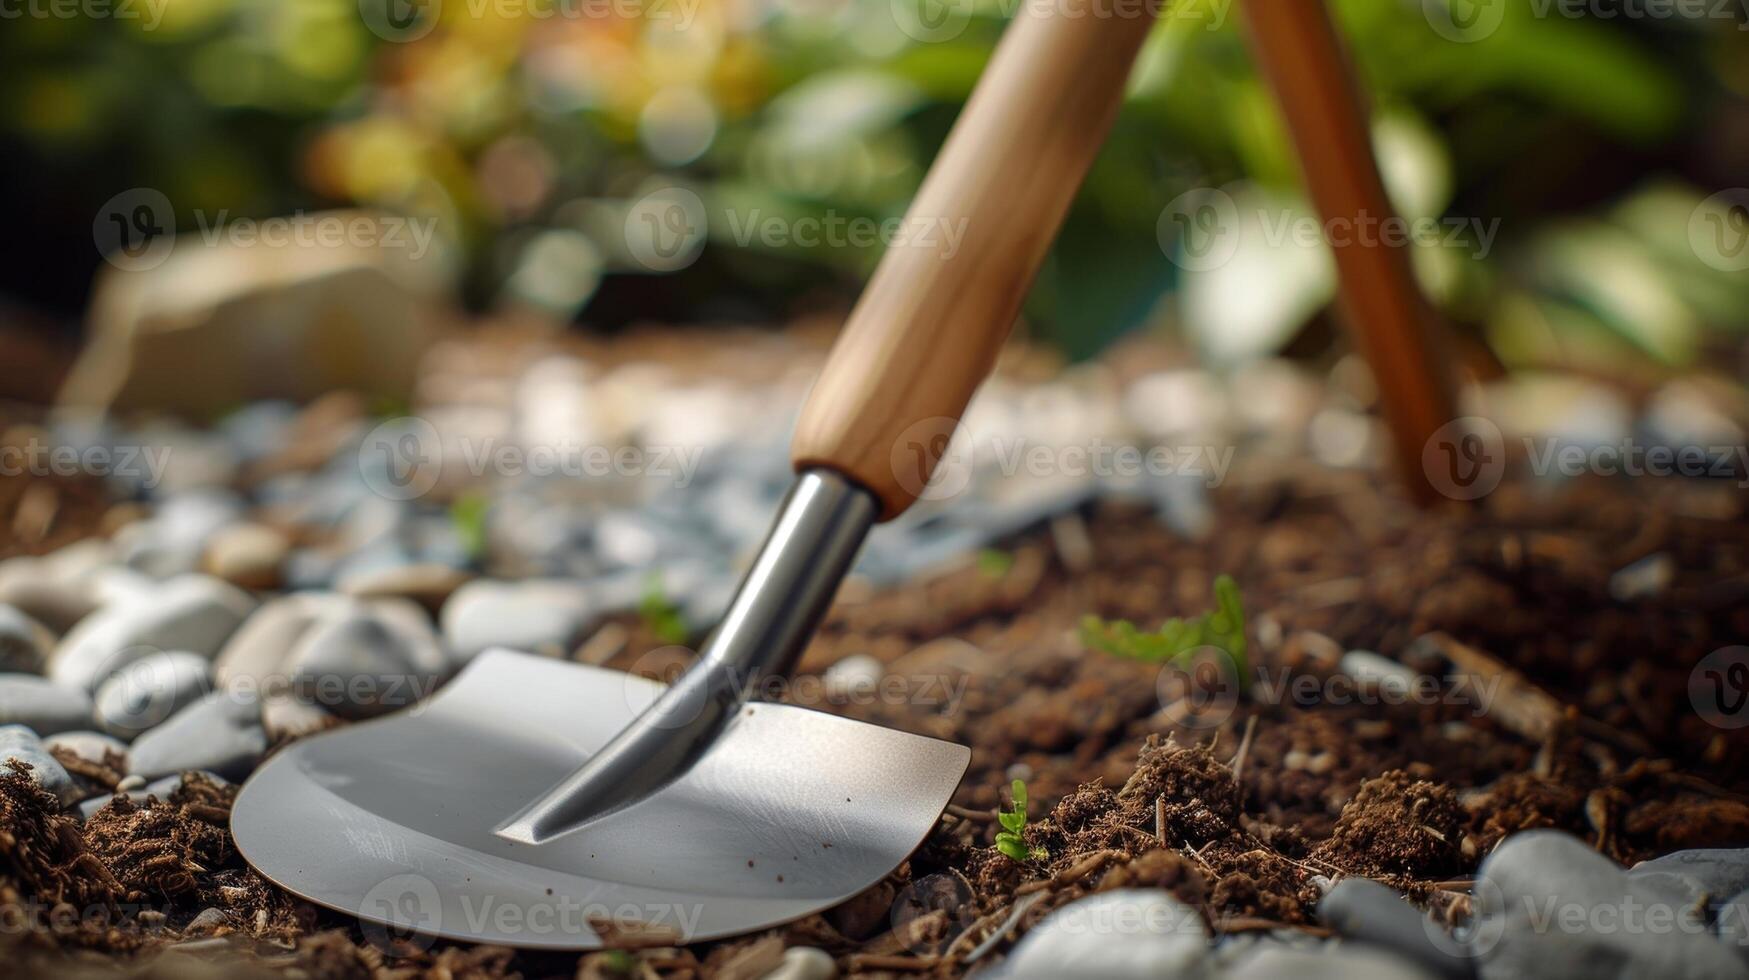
818, 530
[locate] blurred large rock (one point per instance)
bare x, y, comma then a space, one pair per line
220, 322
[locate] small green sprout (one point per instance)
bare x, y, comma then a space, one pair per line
620, 963
1011, 839
468, 515
659, 614
1222, 628
387, 406
994, 562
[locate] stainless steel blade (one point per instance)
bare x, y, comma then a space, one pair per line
791, 811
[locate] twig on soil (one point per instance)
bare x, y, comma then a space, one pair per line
1004, 931
1254, 924
975, 816
890, 961
1068, 876
1517, 703
1160, 818
1238, 763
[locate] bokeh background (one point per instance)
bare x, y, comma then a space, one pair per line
1586, 143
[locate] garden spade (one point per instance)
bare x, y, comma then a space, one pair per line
535, 802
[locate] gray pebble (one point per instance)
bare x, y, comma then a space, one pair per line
24, 642
1368, 912
42, 705
541, 616
172, 541
20, 743
256, 653
208, 920
1128, 933
146, 692
30, 585
359, 666
1332, 961
858, 675
196, 613
247, 554
804, 963
1371, 668
1733, 925
1705, 875
1643, 579
221, 732
1549, 906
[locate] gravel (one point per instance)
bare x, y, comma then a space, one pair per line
220, 732
42, 705
1549, 906
196, 613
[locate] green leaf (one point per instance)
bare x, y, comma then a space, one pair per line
1222, 628
1014, 849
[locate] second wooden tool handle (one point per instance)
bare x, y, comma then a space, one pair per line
945, 295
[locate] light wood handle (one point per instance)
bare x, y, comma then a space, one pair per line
1393, 326
946, 293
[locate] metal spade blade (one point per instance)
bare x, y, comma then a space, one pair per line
789, 812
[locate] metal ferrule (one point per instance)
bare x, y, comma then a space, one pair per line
818, 530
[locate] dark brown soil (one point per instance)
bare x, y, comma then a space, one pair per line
1238, 812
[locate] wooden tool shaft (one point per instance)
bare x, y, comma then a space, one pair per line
1298, 49
928, 327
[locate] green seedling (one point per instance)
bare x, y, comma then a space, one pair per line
468, 515
659, 614
1222, 628
1011, 839
994, 562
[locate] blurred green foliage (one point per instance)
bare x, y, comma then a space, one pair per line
531, 128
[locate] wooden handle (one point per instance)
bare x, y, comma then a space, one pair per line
1301, 54
946, 293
